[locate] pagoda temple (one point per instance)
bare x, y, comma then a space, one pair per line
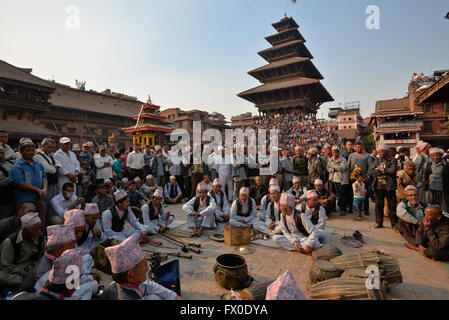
290, 81
151, 127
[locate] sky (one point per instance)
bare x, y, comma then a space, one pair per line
195, 54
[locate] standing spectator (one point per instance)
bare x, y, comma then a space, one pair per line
70, 165
166, 154
45, 157
359, 192
157, 167
287, 170
186, 171
422, 150
135, 162
338, 178
76, 150
118, 166
104, 165
224, 167
349, 148
30, 181
238, 171
175, 170
316, 170
407, 177
147, 156
402, 157
300, 166
362, 160
384, 170
6, 187
87, 162
123, 157
436, 177
9, 152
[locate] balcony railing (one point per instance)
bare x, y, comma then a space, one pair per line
401, 124
14, 98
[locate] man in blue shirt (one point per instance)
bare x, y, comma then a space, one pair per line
29, 180
135, 200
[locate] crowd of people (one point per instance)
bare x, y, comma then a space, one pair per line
61, 200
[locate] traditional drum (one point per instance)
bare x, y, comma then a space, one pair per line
355, 273
346, 289
359, 259
323, 270
326, 253
390, 273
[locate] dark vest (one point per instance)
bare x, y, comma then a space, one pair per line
196, 204
212, 193
315, 215
51, 178
250, 209
18, 246
116, 292
272, 213
298, 223
117, 223
410, 210
152, 214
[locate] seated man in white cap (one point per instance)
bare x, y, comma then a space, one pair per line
243, 210
223, 211
113, 220
56, 287
172, 192
20, 251
269, 222
93, 234
326, 198
200, 211
59, 239
155, 218
298, 232
313, 210
296, 190
267, 198
436, 177
129, 272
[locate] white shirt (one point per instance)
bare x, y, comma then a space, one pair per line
104, 173
223, 165
69, 163
322, 217
49, 169
59, 204
135, 160
9, 152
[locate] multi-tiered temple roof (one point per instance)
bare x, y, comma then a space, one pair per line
290, 80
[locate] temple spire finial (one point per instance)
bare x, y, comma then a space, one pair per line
285, 15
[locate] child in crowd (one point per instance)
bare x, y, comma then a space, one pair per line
359, 190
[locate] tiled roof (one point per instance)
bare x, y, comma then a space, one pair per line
9, 71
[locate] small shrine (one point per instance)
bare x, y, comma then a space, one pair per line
150, 128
